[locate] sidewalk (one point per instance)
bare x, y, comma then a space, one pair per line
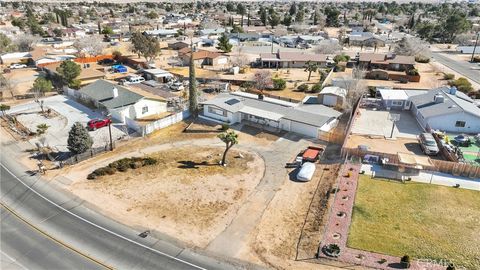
436, 178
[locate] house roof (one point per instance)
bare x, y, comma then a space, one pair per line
102, 91
380, 58
294, 56
315, 115
200, 54
454, 102
334, 90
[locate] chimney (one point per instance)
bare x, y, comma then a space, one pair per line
453, 90
438, 98
115, 92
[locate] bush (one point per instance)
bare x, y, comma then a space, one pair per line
279, 84
476, 59
316, 88
462, 85
448, 76
405, 261
339, 68
122, 165
149, 161
422, 59
341, 58
412, 72
451, 267
303, 87
225, 127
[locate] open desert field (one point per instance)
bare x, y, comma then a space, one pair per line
186, 194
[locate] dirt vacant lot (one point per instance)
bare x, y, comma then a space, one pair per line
186, 194
421, 220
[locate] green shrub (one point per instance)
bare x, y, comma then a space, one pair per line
462, 85
225, 127
412, 72
316, 88
422, 59
339, 68
122, 165
341, 58
279, 84
303, 87
448, 76
405, 261
149, 161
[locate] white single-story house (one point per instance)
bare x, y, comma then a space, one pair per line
121, 102
397, 99
446, 109
332, 96
306, 119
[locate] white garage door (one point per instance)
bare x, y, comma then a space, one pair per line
304, 129
329, 100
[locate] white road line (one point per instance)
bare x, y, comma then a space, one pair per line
13, 260
100, 227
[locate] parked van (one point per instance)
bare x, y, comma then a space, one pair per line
133, 80
306, 172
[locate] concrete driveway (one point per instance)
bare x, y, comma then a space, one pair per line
378, 123
69, 111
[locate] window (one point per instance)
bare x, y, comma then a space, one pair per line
397, 103
460, 124
144, 109
217, 111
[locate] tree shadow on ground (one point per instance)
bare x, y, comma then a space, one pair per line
396, 265
188, 164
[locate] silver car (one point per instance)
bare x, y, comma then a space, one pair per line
428, 144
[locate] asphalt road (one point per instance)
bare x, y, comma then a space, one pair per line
91, 237
464, 68
34, 249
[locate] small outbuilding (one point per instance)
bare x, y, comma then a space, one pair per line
332, 96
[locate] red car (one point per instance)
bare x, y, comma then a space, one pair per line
98, 123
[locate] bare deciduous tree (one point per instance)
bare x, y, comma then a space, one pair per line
239, 58
263, 79
7, 86
412, 46
328, 47
26, 43
91, 45
355, 86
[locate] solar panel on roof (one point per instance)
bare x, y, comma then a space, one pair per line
232, 101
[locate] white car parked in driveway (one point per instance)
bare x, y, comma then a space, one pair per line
177, 86
17, 66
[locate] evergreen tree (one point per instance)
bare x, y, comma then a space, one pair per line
79, 141
224, 44
68, 71
263, 15
293, 9
192, 86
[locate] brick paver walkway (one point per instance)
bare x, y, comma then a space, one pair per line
339, 222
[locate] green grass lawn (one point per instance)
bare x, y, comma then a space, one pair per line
421, 220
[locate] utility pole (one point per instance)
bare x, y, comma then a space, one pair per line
110, 133
474, 48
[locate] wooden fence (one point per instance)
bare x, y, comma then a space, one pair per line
92, 59
454, 168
